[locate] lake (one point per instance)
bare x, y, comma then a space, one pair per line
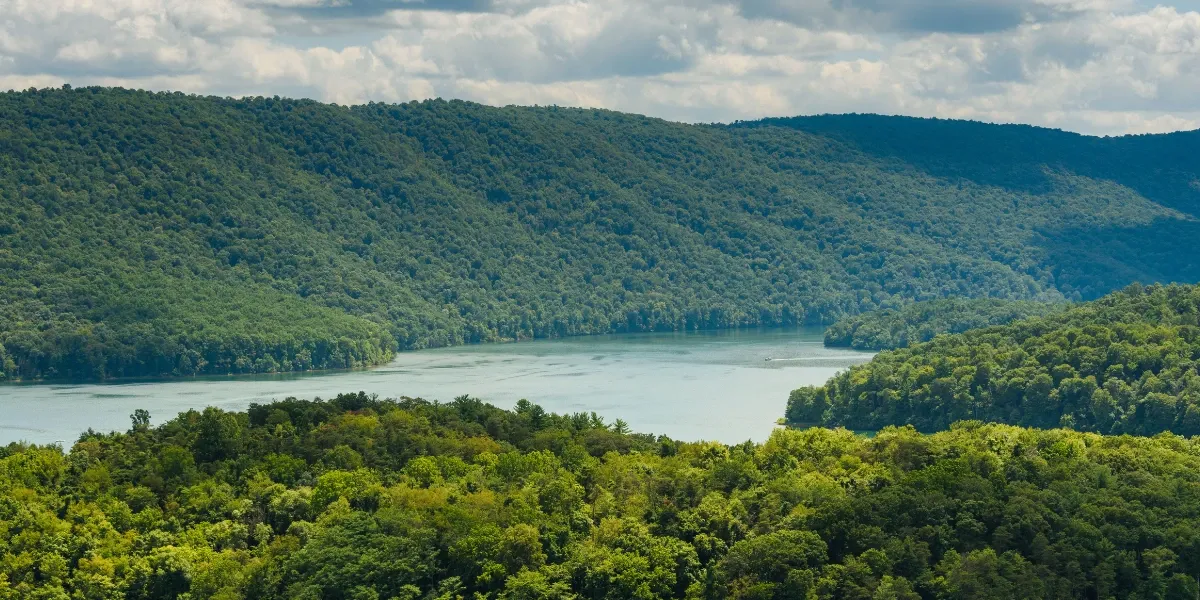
690, 386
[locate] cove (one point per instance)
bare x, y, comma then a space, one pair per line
730, 386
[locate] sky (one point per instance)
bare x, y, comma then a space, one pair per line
1094, 66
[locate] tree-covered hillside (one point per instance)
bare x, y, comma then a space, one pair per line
146, 234
1024, 161
891, 328
1162, 168
1127, 363
358, 498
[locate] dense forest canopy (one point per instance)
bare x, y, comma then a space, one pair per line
1162, 168
1127, 363
158, 233
358, 498
891, 328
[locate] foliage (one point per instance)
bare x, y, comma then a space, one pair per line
888, 329
165, 234
364, 498
1127, 363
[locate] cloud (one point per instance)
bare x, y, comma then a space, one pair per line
920, 16
326, 9
1098, 66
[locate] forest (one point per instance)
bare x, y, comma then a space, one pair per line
363, 498
159, 234
1126, 363
889, 328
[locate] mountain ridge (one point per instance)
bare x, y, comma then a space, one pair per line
132, 218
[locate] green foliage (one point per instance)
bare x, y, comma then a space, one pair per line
463, 500
162, 234
888, 329
1160, 167
1127, 363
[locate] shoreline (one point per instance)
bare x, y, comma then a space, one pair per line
391, 358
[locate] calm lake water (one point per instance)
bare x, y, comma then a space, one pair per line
690, 386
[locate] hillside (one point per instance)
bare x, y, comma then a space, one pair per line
362, 498
1127, 363
891, 328
150, 234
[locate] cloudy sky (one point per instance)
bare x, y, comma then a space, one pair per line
1095, 66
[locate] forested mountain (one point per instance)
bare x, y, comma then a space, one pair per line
1162, 168
1127, 363
359, 498
891, 328
146, 234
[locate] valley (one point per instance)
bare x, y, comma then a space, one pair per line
260, 347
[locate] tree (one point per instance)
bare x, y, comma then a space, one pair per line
140, 419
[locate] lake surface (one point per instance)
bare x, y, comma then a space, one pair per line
690, 386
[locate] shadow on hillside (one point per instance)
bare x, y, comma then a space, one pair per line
1098, 260
1162, 168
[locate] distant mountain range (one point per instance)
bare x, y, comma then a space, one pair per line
166, 234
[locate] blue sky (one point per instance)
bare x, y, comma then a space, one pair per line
1095, 66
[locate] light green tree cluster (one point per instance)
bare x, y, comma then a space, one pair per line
1127, 363
357, 498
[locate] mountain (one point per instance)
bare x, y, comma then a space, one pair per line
1127, 363
166, 234
891, 328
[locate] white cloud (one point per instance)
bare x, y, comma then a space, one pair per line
1099, 66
